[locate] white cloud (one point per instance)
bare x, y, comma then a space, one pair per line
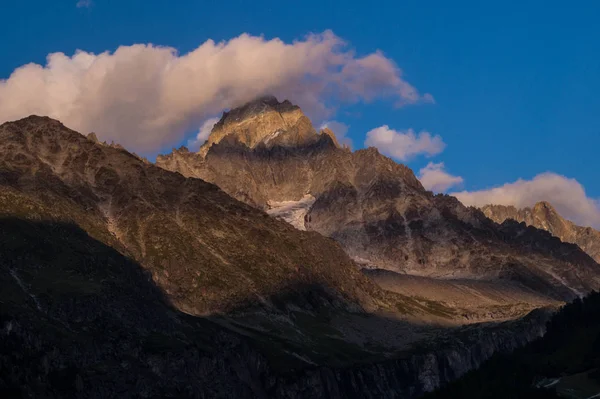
146, 97
340, 129
203, 133
84, 3
434, 178
403, 145
566, 195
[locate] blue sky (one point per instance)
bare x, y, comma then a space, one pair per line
515, 83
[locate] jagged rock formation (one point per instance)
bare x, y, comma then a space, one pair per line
266, 123
378, 210
119, 278
544, 216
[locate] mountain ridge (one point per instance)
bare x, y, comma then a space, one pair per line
544, 216
383, 217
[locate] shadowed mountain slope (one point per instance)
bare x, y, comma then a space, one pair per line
565, 363
78, 319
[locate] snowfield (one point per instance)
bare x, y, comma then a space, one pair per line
292, 212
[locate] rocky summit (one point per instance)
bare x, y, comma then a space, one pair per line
120, 278
543, 216
379, 212
267, 123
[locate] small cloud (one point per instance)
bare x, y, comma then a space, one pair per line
84, 3
203, 133
567, 196
428, 98
340, 129
403, 145
435, 178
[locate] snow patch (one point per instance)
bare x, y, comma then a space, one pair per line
292, 212
271, 136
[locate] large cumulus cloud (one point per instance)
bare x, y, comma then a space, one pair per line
146, 97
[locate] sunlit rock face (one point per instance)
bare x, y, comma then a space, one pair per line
543, 216
264, 121
374, 207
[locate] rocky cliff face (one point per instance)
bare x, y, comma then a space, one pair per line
379, 212
119, 278
544, 216
264, 122
417, 373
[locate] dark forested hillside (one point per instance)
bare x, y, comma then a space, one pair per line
564, 363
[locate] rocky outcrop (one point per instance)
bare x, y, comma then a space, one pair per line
264, 122
543, 216
380, 213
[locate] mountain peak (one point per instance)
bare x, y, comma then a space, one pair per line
259, 105
266, 122
331, 135
34, 120
544, 206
